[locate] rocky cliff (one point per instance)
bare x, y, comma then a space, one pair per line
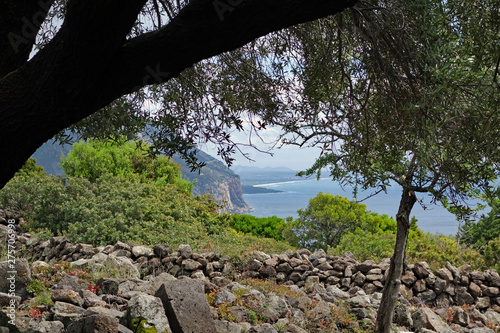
218, 180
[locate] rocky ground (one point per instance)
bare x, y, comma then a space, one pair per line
159, 289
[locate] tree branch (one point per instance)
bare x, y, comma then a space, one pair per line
20, 21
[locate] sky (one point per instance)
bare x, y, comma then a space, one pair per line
292, 157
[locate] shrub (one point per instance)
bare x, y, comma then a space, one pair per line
270, 227
325, 220
436, 250
128, 160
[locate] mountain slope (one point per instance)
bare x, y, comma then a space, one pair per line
218, 180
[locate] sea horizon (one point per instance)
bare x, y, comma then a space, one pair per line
295, 195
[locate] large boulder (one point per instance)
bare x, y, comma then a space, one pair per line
186, 306
146, 311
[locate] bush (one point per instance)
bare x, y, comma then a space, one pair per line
129, 160
436, 250
325, 220
270, 227
492, 253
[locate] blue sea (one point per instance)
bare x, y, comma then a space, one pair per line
296, 194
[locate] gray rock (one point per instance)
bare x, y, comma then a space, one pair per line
186, 306
224, 297
419, 286
185, 251
39, 265
445, 274
426, 318
108, 285
460, 317
421, 270
190, 265
67, 295
66, 312
483, 303
90, 299
454, 271
337, 293
227, 327
123, 265
492, 316
162, 251
100, 310
365, 266
491, 291
93, 324
47, 326
318, 254
462, 296
277, 305
476, 275
152, 286
481, 330
475, 290
147, 311
428, 297
439, 285
122, 246
253, 264
259, 255
69, 282
359, 278
493, 277
402, 315
264, 328
360, 301
142, 251
408, 278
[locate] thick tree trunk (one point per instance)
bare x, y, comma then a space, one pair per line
90, 63
391, 288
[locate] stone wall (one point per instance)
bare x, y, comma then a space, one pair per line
420, 285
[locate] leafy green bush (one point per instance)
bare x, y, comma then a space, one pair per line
325, 220
125, 159
271, 227
492, 253
436, 250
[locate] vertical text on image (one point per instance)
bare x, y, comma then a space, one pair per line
11, 273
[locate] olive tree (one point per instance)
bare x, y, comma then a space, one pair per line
408, 95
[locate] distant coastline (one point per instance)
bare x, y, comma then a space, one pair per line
289, 182
257, 189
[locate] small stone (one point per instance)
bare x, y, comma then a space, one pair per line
460, 317
142, 251
67, 295
445, 274
475, 290
185, 251
224, 297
